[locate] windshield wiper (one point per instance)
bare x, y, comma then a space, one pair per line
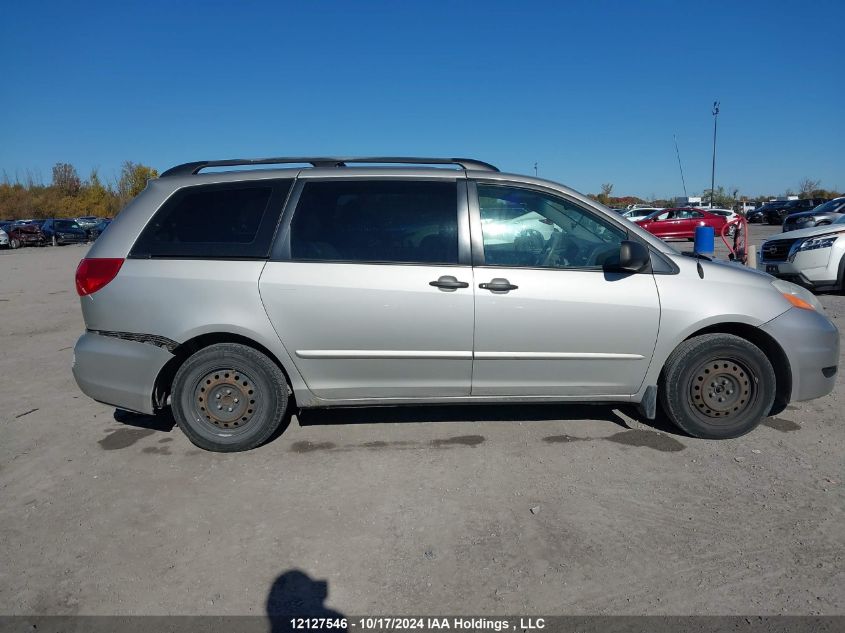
695, 255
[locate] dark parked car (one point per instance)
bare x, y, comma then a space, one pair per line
95, 231
826, 213
777, 215
26, 234
759, 214
60, 232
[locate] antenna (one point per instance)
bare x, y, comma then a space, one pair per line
536, 173
678, 154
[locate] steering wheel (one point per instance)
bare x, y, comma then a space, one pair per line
550, 250
529, 241
561, 244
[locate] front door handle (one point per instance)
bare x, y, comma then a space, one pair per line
498, 285
448, 282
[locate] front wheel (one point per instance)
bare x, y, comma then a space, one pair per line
229, 397
14, 243
717, 386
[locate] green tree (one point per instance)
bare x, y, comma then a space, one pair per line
807, 186
133, 179
96, 198
606, 190
65, 179
719, 198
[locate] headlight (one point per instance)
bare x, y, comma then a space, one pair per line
798, 296
813, 243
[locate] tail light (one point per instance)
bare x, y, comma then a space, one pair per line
94, 274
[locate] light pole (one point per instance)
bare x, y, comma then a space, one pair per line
713, 169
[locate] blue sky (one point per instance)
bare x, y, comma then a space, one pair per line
592, 91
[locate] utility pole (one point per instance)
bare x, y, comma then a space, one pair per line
713, 169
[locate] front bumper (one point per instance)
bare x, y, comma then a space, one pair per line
815, 269
118, 372
811, 343
71, 239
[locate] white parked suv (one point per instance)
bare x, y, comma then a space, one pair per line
813, 258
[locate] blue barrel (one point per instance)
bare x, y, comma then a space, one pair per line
704, 238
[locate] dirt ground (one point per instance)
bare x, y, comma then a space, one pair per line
429, 510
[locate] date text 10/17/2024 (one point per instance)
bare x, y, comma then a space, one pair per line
382, 623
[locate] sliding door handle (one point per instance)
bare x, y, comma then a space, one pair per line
448, 282
498, 285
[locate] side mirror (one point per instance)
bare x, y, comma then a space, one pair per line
633, 256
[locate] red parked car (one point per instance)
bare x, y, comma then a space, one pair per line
680, 224
25, 234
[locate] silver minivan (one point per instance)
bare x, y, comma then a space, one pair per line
232, 296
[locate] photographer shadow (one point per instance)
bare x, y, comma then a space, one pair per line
294, 594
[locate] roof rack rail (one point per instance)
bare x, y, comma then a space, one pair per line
186, 169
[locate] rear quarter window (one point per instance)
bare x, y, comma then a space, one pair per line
225, 220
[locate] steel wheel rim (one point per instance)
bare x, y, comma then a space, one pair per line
722, 389
226, 399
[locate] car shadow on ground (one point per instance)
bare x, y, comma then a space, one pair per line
621, 415
161, 422
627, 417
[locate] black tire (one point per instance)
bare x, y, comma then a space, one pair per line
14, 243
710, 367
841, 275
248, 392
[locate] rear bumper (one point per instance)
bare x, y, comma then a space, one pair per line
118, 372
811, 343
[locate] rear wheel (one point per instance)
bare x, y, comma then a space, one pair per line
717, 386
229, 397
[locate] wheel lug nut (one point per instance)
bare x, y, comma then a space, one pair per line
228, 392
236, 401
219, 406
230, 409
217, 396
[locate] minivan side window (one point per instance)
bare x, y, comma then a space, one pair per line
522, 227
412, 222
226, 220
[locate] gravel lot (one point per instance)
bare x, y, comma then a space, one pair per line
441, 510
